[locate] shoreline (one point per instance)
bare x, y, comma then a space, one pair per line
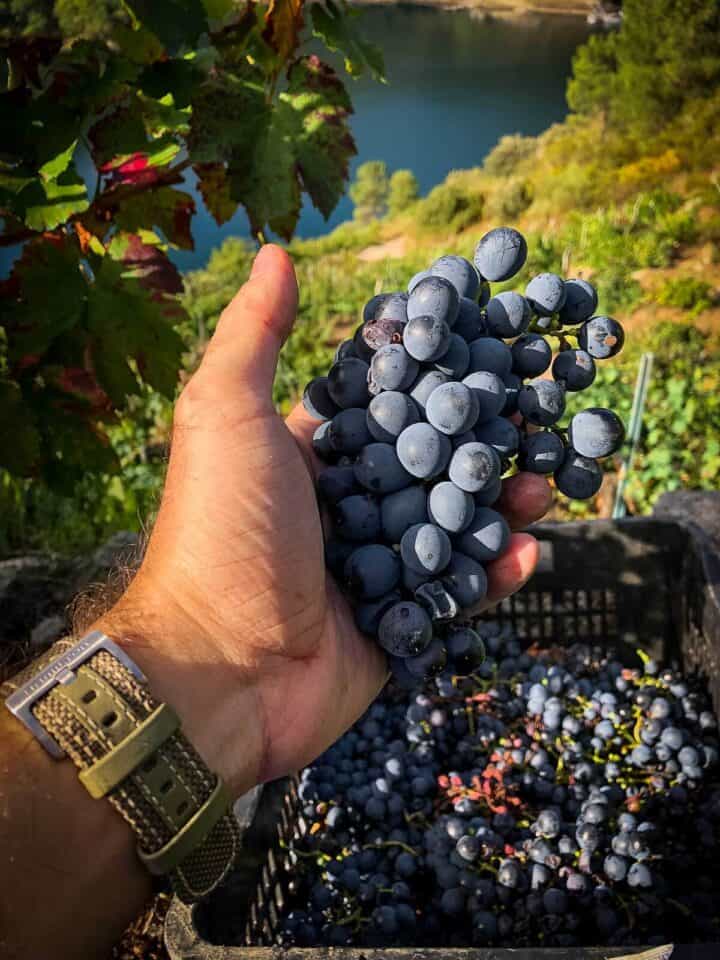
497, 9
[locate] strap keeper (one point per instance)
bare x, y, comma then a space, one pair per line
105, 774
191, 835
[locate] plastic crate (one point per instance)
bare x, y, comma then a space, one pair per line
646, 583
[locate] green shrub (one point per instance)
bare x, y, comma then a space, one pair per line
680, 442
509, 200
447, 205
369, 191
403, 191
508, 153
688, 293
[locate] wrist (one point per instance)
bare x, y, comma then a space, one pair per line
216, 701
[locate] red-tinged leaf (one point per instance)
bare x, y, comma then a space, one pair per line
283, 23
214, 188
82, 385
149, 266
127, 168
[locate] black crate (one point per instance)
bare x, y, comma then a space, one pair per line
646, 583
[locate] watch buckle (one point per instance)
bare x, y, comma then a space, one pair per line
62, 671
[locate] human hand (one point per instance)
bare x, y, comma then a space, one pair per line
232, 614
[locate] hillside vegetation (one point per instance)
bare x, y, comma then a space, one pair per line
626, 192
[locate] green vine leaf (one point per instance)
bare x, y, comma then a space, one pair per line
301, 142
324, 144
128, 327
332, 23
59, 164
22, 455
178, 24
214, 188
52, 203
170, 210
38, 314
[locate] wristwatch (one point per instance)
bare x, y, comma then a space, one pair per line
88, 700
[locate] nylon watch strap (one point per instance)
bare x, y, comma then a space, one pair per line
129, 749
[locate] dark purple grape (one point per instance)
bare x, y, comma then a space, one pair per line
602, 337
531, 355
596, 432
546, 292
581, 302
500, 254
542, 452
508, 315
575, 369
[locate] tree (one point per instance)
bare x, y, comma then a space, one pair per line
666, 53
403, 191
369, 191
106, 105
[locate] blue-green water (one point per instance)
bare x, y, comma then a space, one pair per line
456, 84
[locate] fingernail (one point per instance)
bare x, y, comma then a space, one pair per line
262, 259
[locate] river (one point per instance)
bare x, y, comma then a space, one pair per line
456, 84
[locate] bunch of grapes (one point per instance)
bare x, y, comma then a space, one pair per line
554, 798
424, 411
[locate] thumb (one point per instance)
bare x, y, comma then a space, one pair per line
255, 324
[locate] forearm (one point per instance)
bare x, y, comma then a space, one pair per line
69, 874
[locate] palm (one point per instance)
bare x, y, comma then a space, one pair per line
238, 542
252, 545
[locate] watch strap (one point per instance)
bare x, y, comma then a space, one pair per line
104, 719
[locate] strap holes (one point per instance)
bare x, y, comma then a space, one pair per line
166, 787
182, 808
89, 696
149, 765
109, 719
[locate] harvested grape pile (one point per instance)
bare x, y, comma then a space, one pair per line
424, 412
552, 798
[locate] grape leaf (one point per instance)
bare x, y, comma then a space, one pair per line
47, 205
228, 111
323, 144
13, 180
302, 141
214, 188
284, 20
16, 420
165, 208
118, 133
59, 164
145, 261
163, 117
126, 324
332, 23
39, 314
72, 442
264, 177
178, 24
219, 9
180, 77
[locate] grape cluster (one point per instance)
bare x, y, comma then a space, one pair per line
553, 798
420, 415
